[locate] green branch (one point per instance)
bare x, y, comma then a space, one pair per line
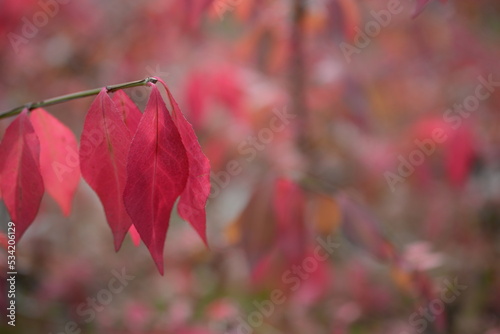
74, 96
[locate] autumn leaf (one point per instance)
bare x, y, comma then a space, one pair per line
350, 17
21, 181
4, 241
289, 210
104, 147
459, 155
131, 115
59, 164
191, 206
157, 169
196, 96
136, 238
284, 204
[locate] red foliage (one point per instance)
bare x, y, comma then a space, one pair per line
59, 163
104, 148
21, 180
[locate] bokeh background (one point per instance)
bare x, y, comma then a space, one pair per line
302, 138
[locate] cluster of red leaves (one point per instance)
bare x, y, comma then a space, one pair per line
137, 163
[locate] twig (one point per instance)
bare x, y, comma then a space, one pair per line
77, 95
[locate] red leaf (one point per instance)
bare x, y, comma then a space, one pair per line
459, 156
4, 241
157, 169
289, 210
228, 89
196, 97
21, 181
290, 240
104, 146
191, 206
59, 164
136, 238
131, 115
348, 14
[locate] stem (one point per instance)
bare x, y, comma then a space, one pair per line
77, 95
297, 71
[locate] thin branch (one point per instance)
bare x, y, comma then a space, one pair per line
298, 80
74, 96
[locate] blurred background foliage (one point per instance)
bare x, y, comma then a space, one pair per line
235, 67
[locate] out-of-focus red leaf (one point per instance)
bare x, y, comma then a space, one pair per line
459, 155
318, 282
21, 181
216, 149
351, 17
422, 131
455, 153
136, 238
267, 267
363, 230
59, 164
290, 239
427, 293
195, 11
255, 227
191, 206
103, 155
131, 114
289, 210
196, 98
221, 85
4, 241
157, 170
138, 315
227, 88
